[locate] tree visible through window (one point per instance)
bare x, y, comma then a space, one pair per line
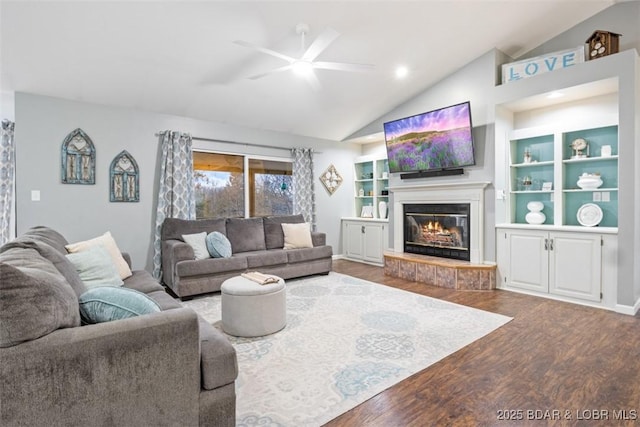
220, 182
270, 188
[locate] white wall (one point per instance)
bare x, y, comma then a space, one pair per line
84, 211
475, 83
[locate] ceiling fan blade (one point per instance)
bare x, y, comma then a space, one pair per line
312, 79
275, 70
264, 50
320, 43
343, 66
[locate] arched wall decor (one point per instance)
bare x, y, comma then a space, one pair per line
78, 159
124, 179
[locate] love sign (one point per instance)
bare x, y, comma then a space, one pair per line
542, 64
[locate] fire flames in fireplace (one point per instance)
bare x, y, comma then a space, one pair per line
434, 234
437, 229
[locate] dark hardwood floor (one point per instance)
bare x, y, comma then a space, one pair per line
554, 364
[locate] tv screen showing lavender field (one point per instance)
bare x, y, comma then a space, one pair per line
439, 139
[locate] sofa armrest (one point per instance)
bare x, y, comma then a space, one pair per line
174, 251
318, 238
138, 371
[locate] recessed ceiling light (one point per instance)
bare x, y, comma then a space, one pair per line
401, 72
554, 95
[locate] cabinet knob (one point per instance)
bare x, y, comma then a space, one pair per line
550, 244
546, 244
362, 229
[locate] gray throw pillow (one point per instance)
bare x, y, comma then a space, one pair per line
58, 259
33, 303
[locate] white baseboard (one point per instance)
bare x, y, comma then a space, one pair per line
628, 309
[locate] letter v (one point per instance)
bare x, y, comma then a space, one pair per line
551, 66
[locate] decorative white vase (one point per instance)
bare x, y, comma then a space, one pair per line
535, 216
382, 209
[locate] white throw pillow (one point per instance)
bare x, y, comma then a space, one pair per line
297, 235
95, 267
110, 245
198, 242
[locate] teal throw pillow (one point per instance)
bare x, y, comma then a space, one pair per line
106, 303
218, 245
95, 267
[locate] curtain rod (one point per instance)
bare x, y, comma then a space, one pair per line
246, 144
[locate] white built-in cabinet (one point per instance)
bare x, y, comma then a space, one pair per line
554, 262
566, 257
365, 240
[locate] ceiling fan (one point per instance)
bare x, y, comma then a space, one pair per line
306, 63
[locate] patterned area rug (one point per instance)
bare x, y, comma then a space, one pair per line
346, 340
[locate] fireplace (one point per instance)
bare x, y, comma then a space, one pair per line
437, 229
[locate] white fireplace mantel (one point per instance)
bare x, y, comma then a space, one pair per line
458, 192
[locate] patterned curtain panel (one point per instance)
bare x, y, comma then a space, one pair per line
304, 201
7, 172
176, 193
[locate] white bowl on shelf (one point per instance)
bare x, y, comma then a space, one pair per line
589, 181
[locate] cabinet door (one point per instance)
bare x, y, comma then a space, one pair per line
353, 233
575, 265
528, 265
373, 243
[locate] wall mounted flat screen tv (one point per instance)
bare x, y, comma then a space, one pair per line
435, 140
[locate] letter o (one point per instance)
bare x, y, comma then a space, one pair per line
529, 66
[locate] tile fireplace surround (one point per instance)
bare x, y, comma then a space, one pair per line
443, 272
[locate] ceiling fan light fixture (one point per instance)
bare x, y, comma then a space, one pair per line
302, 68
401, 72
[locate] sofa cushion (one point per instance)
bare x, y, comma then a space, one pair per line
109, 243
35, 299
58, 259
218, 245
49, 236
174, 228
246, 234
297, 235
273, 235
198, 244
257, 259
164, 300
309, 254
95, 267
142, 281
106, 303
210, 266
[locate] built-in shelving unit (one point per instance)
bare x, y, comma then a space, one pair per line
542, 169
365, 238
371, 177
562, 258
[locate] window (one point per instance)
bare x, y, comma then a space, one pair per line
220, 181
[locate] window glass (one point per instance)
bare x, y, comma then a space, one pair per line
219, 182
269, 188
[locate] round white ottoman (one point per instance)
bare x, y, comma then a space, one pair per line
252, 310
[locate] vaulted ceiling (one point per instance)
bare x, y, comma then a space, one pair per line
179, 57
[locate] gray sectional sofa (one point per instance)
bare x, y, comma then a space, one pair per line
166, 368
257, 245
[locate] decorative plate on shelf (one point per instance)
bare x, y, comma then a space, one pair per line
589, 215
